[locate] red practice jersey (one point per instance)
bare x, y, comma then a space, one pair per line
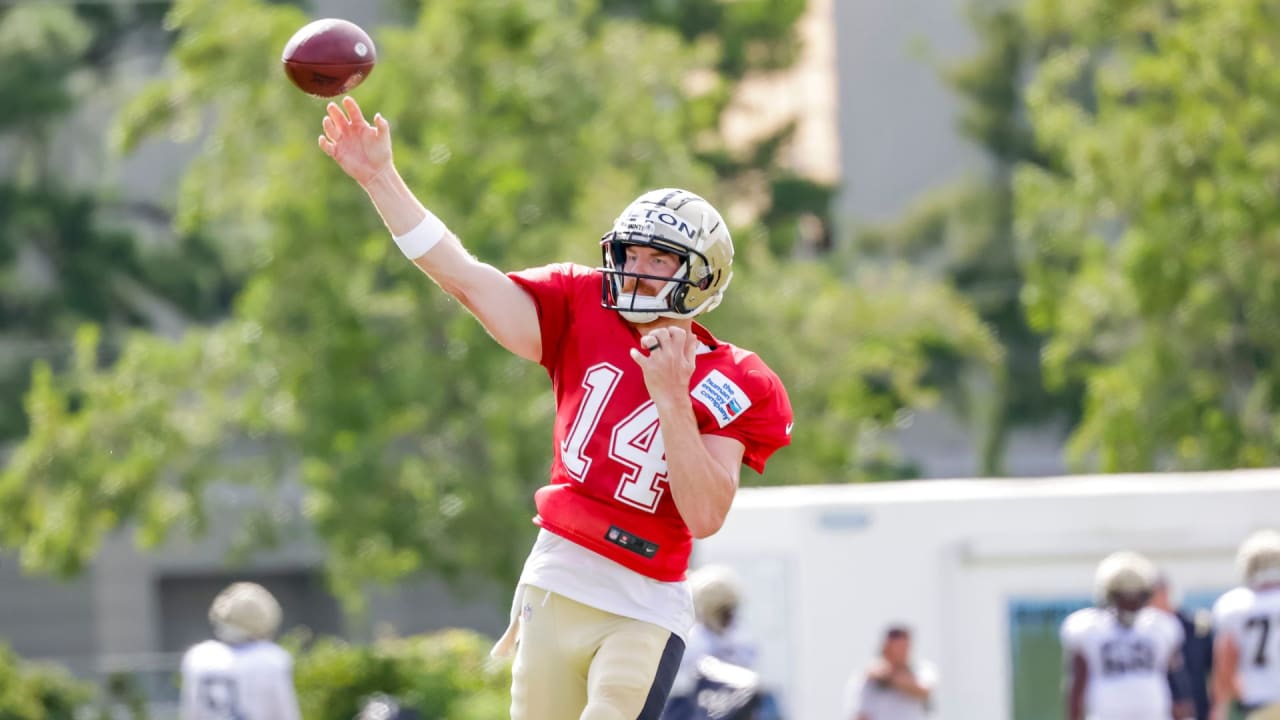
608, 489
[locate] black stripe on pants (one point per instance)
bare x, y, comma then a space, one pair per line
663, 679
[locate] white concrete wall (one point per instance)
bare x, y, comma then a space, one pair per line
827, 567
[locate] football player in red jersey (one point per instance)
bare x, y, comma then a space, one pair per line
654, 419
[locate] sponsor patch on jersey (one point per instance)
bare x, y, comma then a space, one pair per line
722, 397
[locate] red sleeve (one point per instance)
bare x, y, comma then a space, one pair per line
551, 287
765, 426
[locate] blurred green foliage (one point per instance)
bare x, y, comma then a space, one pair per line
33, 691
416, 441
1151, 248
443, 675
447, 674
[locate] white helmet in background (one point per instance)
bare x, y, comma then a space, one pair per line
685, 225
1258, 559
1124, 581
243, 612
716, 596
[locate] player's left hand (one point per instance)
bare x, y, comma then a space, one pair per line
668, 363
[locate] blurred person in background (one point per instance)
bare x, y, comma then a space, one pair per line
1246, 653
716, 678
717, 632
1124, 657
894, 687
240, 674
655, 418
1197, 643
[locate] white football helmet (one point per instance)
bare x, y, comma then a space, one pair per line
716, 596
685, 225
1258, 559
243, 612
1124, 575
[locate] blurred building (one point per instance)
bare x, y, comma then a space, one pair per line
899, 139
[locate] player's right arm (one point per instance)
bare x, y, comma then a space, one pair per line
1223, 684
1077, 668
1077, 684
363, 151
1226, 659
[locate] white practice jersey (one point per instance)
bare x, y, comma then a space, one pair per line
1252, 619
1128, 666
731, 647
253, 681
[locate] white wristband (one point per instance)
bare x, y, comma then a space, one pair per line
424, 236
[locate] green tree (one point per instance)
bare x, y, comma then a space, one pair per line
33, 691
443, 675
416, 439
743, 39
66, 256
1151, 254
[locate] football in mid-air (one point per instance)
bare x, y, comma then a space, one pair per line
329, 57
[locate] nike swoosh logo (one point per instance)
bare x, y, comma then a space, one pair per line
789, 425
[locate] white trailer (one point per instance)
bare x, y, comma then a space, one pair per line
980, 569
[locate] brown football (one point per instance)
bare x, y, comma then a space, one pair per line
329, 57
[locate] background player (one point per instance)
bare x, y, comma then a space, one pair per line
654, 419
1123, 656
716, 678
717, 597
240, 674
1246, 660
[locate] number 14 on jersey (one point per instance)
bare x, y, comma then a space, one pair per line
635, 442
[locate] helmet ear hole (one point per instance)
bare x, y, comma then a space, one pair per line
677, 298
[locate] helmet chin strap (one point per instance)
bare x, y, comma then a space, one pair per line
230, 634
638, 318
649, 308
646, 308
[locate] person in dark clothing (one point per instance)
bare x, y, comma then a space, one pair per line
1197, 644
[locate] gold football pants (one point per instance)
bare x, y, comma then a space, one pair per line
574, 662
